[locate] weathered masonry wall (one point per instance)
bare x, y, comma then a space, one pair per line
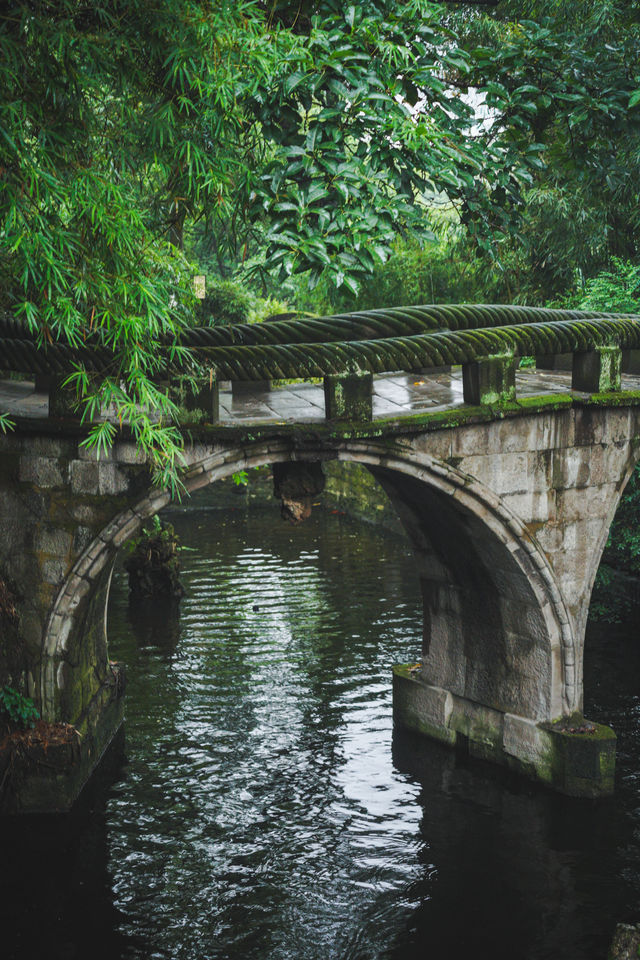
54, 501
563, 474
507, 517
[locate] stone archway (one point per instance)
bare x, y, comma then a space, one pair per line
526, 672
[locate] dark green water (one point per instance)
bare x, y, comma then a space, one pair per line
266, 809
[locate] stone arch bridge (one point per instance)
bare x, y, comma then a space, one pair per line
507, 501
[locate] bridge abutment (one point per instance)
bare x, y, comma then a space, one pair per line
573, 756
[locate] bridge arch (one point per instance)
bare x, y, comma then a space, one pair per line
496, 628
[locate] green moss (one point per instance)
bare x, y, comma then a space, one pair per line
553, 401
624, 398
564, 726
407, 670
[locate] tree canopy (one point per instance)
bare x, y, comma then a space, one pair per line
305, 135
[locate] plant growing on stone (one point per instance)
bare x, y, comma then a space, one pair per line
153, 563
17, 709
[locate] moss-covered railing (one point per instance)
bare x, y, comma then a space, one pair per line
347, 349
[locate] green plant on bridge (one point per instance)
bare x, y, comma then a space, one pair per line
17, 709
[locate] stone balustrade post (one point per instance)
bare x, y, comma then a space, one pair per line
205, 397
597, 370
490, 380
349, 397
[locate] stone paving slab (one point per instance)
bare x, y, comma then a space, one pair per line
394, 394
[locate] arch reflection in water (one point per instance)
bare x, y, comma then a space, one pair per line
266, 810
265, 815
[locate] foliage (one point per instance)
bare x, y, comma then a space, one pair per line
6, 423
240, 478
17, 709
616, 289
611, 601
153, 563
566, 76
225, 303
266, 307
295, 139
623, 545
310, 131
445, 270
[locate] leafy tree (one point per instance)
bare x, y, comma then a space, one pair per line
309, 133
616, 289
225, 302
565, 76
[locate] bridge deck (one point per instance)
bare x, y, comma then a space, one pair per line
394, 394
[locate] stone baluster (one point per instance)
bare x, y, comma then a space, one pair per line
490, 380
597, 370
349, 397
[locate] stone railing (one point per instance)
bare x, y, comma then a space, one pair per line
347, 350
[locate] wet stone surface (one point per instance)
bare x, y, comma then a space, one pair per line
393, 394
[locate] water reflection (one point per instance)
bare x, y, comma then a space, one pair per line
155, 623
266, 809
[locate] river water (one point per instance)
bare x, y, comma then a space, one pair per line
266, 809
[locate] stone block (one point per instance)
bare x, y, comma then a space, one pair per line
479, 723
128, 452
111, 479
92, 455
592, 501
85, 477
94, 568
579, 466
550, 536
349, 397
77, 588
126, 531
85, 514
421, 707
63, 674
608, 426
436, 443
502, 472
43, 472
152, 504
490, 380
54, 570
582, 762
532, 506
81, 539
50, 780
524, 739
53, 541
62, 634
597, 370
52, 448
